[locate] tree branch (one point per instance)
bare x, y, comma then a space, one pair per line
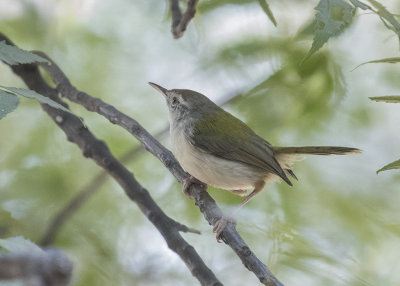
48, 268
179, 21
207, 205
98, 151
83, 195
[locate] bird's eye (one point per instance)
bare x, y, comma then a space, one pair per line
175, 100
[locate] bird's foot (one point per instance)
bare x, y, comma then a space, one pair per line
221, 224
188, 182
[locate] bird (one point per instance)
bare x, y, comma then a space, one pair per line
220, 150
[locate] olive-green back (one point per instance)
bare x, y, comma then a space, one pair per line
223, 135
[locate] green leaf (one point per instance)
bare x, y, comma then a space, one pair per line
393, 60
264, 5
8, 103
359, 4
387, 18
332, 18
19, 244
388, 98
386, 15
13, 55
391, 166
208, 6
32, 94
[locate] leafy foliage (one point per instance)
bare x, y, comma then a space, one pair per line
18, 245
387, 98
330, 230
387, 18
8, 103
391, 166
386, 60
359, 4
13, 55
332, 18
33, 95
264, 5
208, 6
309, 90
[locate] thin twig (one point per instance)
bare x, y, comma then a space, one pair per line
78, 200
74, 204
207, 205
98, 151
179, 21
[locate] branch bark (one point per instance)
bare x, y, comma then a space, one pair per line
207, 205
83, 195
48, 268
179, 21
98, 151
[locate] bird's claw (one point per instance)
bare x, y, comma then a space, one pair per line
221, 224
188, 182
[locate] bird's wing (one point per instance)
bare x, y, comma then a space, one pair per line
225, 136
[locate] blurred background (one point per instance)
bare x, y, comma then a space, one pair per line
338, 225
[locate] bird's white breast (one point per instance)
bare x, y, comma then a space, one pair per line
212, 170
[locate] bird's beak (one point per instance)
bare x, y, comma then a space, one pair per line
162, 90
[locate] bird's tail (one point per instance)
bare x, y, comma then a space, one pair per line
317, 150
287, 156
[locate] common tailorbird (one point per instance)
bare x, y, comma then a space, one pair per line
219, 150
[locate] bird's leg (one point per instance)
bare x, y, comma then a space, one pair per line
220, 225
257, 188
189, 181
